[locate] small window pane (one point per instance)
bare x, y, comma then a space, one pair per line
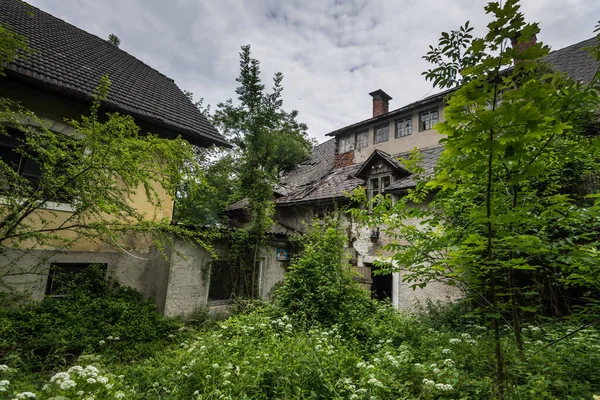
429, 119
374, 183
385, 182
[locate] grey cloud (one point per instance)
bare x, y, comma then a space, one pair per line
332, 52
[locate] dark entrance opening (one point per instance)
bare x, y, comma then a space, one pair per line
381, 285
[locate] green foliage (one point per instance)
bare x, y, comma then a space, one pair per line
265, 354
94, 316
11, 46
509, 221
320, 286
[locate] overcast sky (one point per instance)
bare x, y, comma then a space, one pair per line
331, 52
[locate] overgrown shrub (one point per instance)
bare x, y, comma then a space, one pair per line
94, 316
320, 287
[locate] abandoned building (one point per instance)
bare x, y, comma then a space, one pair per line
366, 154
57, 81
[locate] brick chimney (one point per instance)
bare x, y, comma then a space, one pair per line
381, 102
523, 45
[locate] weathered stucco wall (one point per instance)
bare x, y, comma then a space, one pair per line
418, 138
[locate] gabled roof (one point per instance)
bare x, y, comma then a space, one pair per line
393, 163
72, 61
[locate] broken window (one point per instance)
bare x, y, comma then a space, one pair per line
382, 134
403, 127
65, 276
429, 119
229, 281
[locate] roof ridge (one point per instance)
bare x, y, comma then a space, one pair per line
96, 37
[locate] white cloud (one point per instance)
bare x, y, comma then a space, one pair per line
332, 52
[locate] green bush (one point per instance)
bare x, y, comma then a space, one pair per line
320, 287
94, 316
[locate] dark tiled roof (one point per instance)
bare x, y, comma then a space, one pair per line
319, 165
333, 186
575, 61
394, 163
430, 157
71, 60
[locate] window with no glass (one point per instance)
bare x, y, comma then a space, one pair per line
382, 134
429, 119
403, 127
362, 140
65, 276
345, 144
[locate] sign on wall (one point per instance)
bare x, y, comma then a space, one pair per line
282, 254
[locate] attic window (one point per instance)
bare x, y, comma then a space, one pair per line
403, 127
429, 119
362, 140
382, 134
345, 144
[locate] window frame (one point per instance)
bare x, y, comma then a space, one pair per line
387, 135
366, 141
74, 268
429, 120
380, 187
347, 140
409, 127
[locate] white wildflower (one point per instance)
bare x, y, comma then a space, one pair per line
446, 351
428, 382
360, 365
215, 366
117, 338
67, 384
91, 381
4, 382
60, 376
466, 335
437, 371
80, 393
353, 396
109, 386
208, 376
444, 387
3, 367
448, 362
119, 395
455, 341
109, 338
26, 395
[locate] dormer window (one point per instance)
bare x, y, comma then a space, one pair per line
362, 140
378, 184
345, 144
382, 134
429, 119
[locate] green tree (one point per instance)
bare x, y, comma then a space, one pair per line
267, 140
114, 40
513, 128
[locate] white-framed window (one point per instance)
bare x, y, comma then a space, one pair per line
382, 133
345, 144
377, 184
362, 139
403, 127
429, 119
